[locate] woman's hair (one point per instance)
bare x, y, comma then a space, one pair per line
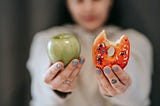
65, 16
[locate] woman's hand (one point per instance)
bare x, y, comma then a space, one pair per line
63, 79
113, 81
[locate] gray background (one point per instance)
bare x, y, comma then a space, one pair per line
21, 19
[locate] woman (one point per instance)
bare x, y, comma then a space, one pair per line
80, 83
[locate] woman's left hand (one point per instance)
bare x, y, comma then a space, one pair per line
113, 81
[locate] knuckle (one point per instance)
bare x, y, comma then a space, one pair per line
63, 77
116, 86
111, 76
106, 86
113, 93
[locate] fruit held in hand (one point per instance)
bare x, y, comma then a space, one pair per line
63, 47
107, 53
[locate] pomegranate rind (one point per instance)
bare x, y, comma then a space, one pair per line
100, 54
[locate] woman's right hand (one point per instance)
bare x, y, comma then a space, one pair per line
63, 79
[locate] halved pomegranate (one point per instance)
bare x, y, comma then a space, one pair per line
107, 53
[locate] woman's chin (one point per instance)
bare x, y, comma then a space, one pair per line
91, 27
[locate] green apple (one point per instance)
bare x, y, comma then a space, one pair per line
63, 47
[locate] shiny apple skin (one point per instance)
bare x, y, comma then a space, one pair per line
63, 47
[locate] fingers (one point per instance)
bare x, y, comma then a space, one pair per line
71, 71
65, 80
70, 68
63, 87
103, 91
53, 71
104, 83
122, 75
113, 79
76, 72
58, 81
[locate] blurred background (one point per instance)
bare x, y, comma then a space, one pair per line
21, 19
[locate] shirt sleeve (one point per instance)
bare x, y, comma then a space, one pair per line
37, 63
140, 70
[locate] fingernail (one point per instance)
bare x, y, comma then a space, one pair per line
107, 70
59, 66
115, 68
74, 63
81, 61
113, 81
98, 72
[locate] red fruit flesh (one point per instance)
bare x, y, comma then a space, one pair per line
120, 51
